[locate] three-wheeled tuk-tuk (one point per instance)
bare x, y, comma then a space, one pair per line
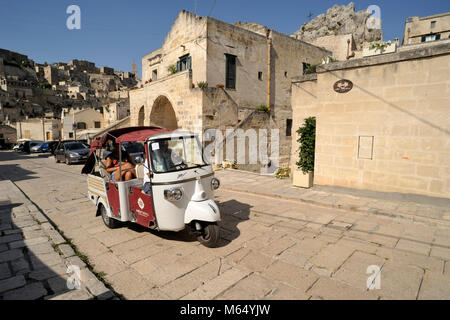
181, 185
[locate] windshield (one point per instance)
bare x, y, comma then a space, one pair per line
75, 146
175, 154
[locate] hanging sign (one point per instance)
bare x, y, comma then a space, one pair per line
343, 86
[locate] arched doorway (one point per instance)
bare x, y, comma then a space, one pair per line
162, 114
141, 117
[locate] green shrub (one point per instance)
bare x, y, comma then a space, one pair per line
202, 84
307, 141
311, 69
283, 173
172, 69
262, 108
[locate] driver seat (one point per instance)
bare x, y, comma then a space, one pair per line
139, 171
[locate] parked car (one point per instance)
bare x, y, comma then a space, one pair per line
71, 152
36, 147
30, 144
49, 146
18, 147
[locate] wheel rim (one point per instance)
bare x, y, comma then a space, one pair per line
104, 216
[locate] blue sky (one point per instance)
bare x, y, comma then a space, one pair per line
115, 33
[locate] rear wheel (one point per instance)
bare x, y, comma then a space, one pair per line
210, 235
109, 222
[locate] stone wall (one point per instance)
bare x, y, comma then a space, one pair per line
390, 132
35, 129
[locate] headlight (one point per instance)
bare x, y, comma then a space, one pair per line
74, 154
174, 194
215, 183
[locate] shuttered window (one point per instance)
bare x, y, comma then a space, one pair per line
230, 71
184, 63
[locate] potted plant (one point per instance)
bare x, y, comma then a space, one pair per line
303, 176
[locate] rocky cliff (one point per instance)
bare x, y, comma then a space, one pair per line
340, 20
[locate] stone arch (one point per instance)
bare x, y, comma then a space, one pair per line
141, 116
163, 114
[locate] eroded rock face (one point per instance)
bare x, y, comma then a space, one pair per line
340, 20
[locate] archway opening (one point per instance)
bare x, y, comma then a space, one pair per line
163, 114
141, 117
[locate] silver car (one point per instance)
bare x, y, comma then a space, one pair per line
35, 146
71, 152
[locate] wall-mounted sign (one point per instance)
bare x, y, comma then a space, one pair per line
343, 86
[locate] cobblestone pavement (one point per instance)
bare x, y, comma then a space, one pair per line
34, 257
271, 248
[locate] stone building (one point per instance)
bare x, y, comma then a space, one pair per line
8, 135
425, 29
85, 119
390, 132
212, 74
39, 129
116, 111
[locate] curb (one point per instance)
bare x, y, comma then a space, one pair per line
374, 211
67, 251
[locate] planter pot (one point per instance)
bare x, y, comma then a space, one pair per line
303, 180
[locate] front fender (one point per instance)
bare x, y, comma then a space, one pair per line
202, 211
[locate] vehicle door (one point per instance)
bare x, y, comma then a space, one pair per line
59, 153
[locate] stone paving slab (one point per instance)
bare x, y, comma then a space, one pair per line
31, 266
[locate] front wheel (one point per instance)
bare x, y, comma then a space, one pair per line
210, 235
109, 222
56, 159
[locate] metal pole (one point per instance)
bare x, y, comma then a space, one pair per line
120, 161
269, 63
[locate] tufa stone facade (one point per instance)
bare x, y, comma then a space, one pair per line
391, 132
187, 83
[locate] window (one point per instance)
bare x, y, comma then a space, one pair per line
288, 127
184, 63
230, 71
431, 37
259, 75
97, 124
70, 134
81, 126
433, 24
155, 75
306, 66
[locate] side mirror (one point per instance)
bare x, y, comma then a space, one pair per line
139, 160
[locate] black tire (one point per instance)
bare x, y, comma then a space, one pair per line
68, 161
210, 235
109, 222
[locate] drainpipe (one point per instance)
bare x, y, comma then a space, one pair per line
269, 63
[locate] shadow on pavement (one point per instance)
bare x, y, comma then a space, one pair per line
30, 269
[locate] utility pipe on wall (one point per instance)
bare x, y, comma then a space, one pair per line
269, 64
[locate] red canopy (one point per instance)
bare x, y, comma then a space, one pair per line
140, 135
128, 134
